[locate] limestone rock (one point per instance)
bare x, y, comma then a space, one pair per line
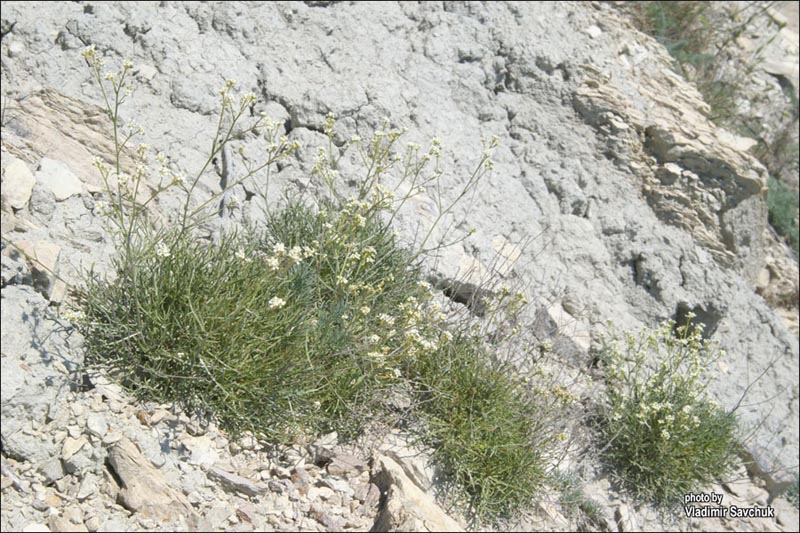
32, 387
42, 258
18, 183
406, 507
236, 483
720, 198
203, 450
58, 178
343, 464
143, 489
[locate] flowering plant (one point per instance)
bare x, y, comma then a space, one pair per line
664, 432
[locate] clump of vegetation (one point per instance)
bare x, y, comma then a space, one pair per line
784, 212
307, 323
791, 493
577, 506
665, 436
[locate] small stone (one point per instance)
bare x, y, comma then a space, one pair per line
324, 493
52, 499
281, 472
147, 523
15, 48
88, 487
74, 514
60, 523
233, 482
112, 437
35, 528
52, 470
336, 484
114, 524
72, 446
279, 486
593, 31
203, 449
17, 184
93, 523
63, 484
301, 480
346, 464
196, 429
96, 425
215, 517
58, 178
158, 460
248, 442
159, 415
246, 512
39, 505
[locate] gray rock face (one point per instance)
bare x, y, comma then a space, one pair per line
36, 359
637, 208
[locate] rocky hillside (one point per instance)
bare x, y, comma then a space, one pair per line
612, 197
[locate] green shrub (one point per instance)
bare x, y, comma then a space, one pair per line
490, 432
791, 493
784, 210
664, 435
307, 323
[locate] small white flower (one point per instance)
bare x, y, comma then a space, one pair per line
386, 319
276, 303
279, 249
73, 315
273, 263
103, 208
242, 256
364, 310
162, 250
296, 254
